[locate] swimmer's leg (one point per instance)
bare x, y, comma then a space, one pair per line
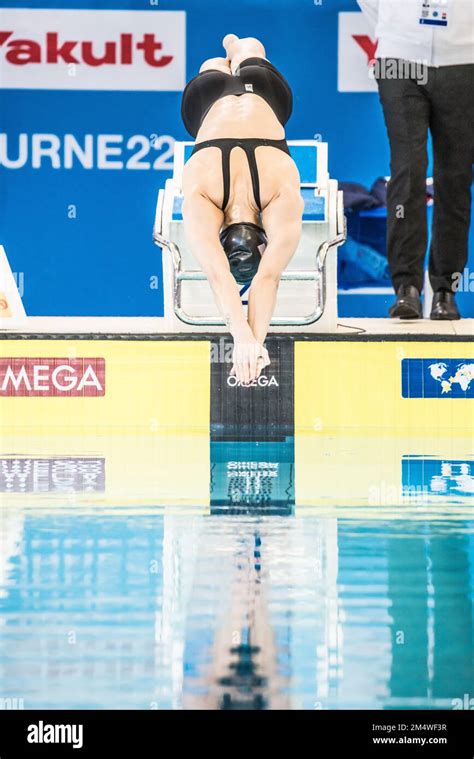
217, 64
239, 49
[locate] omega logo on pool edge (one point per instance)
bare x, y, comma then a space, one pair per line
52, 377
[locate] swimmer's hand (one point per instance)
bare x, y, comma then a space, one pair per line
264, 360
249, 358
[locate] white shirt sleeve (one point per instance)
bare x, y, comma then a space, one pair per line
371, 10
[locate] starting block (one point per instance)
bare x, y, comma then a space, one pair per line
307, 296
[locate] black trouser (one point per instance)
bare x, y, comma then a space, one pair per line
444, 104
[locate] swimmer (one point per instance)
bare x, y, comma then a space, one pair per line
242, 208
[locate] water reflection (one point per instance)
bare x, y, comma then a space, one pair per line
246, 604
252, 477
66, 474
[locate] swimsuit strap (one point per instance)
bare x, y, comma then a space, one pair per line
248, 145
250, 153
226, 150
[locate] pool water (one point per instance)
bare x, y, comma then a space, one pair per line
249, 600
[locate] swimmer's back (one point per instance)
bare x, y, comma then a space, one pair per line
276, 169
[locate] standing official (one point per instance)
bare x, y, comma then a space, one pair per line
436, 95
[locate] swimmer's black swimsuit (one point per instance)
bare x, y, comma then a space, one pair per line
227, 144
256, 75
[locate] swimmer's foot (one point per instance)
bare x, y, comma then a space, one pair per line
228, 42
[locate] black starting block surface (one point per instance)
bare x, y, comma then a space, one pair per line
261, 411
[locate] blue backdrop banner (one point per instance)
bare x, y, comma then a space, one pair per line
90, 109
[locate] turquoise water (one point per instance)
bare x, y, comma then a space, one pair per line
172, 609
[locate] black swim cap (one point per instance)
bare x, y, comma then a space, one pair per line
243, 245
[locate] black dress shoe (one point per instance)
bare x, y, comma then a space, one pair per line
444, 306
407, 305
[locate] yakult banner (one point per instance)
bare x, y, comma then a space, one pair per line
92, 50
357, 48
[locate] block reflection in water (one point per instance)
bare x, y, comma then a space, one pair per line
251, 477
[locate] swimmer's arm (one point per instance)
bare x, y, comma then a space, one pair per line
281, 220
202, 223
